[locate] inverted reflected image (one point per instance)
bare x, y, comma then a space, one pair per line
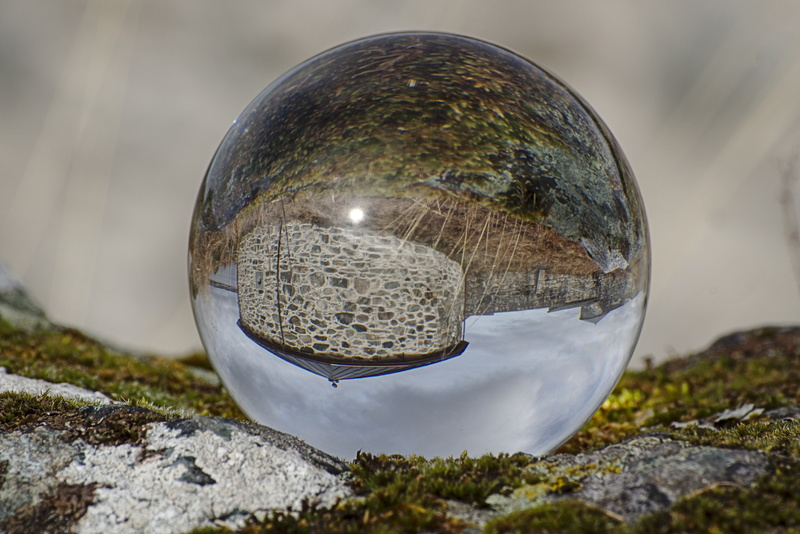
435, 226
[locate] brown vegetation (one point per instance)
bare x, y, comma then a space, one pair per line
484, 241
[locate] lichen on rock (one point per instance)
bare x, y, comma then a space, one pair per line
639, 476
160, 477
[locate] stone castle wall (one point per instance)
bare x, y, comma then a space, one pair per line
348, 293
595, 294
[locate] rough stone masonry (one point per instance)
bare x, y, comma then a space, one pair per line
348, 293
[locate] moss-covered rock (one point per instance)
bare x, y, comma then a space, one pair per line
705, 443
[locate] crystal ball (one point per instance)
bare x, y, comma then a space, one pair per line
419, 243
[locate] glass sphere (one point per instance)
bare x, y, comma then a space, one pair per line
419, 243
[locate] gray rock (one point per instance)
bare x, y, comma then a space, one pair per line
656, 471
175, 477
29, 463
639, 476
184, 474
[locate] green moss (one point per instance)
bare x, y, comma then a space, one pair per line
355, 517
412, 494
557, 479
399, 494
18, 410
567, 516
762, 368
407, 494
774, 436
95, 424
466, 479
772, 505
66, 355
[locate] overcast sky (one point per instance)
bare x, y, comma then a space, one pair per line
527, 381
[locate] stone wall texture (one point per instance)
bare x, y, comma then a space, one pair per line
348, 293
595, 294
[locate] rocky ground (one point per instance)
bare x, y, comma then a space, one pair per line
93, 439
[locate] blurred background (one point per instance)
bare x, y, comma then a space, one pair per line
110, 112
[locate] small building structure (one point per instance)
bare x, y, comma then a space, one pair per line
348, 299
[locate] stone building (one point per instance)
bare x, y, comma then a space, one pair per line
347, 302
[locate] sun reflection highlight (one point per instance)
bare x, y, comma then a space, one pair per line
356, 215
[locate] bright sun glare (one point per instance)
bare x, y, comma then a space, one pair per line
356, 215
